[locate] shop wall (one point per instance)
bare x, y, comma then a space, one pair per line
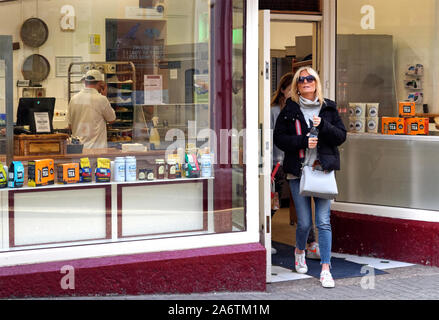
284, 34
90, 19
413, 25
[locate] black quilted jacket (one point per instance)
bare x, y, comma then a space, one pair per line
332, 133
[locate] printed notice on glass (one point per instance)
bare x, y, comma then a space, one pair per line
153, 86
42, 123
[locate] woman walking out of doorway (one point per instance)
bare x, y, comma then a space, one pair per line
278, 102
291, 135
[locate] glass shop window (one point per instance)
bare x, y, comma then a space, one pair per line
386, 64
128, 120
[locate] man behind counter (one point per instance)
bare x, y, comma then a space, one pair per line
89, 111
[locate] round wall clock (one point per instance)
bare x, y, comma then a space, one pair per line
35, 68
34, 32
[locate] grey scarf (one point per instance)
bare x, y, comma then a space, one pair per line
309, 108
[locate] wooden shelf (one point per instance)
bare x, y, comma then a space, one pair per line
302, 64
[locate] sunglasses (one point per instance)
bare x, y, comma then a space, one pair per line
309, 78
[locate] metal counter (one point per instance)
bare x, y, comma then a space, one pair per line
390, 170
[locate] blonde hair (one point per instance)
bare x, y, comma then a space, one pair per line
294, 87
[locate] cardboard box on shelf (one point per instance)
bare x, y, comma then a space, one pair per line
415, 126
392, 125
68, 173
407, 109
41, 173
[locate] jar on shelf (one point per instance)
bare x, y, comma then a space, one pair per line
160, 169
172, 169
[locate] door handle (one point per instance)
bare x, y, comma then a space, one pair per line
267, 70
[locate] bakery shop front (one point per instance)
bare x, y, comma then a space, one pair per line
127, 146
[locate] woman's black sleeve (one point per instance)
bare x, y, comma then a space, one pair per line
286, 141
333, 133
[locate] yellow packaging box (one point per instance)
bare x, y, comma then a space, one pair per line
41, 173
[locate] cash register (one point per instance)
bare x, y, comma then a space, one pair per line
35, 116
33, 133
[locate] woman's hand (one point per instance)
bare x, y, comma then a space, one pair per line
316, 121
312, 143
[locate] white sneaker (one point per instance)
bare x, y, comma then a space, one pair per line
313, 252
326, 279
300, 263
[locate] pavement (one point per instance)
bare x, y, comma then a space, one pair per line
408, 283
405, 286
414, 282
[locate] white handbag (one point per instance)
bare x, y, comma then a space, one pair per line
318, 183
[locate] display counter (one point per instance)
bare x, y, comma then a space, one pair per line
99, 212
389, 170
60, 215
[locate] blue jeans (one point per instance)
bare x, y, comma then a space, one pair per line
304, 221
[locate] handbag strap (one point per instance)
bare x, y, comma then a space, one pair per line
299, 133
273, 174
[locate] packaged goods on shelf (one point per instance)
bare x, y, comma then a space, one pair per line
103, 171
84, 170
206, 165
392, 125
160, 168
357, 109
172, 169
41, 172
130, 168
146, 174
372, 110
357, 124
406, 109
372, 124
178, 164
119, 169
16, 175
191, 167
416, 126
3, 177
68, 173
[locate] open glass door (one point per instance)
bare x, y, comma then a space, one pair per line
265, 134
286, 43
